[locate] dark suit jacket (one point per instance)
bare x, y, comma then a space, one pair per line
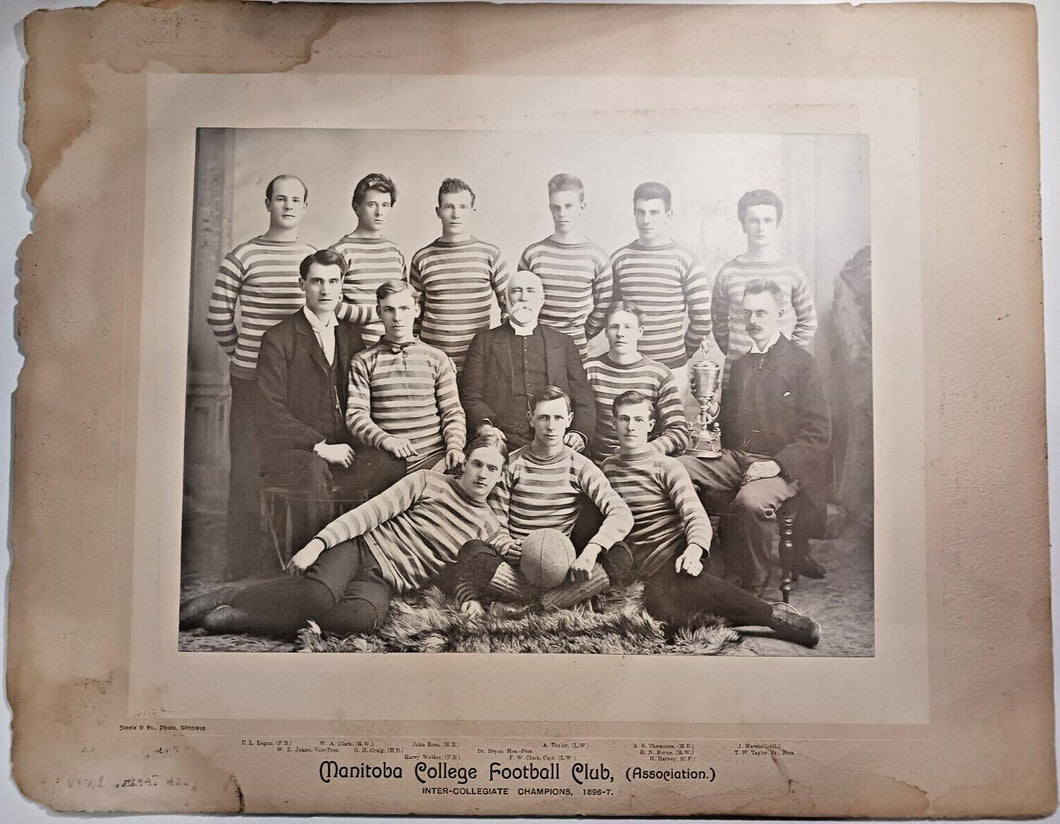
297, 390
488, 383
795, 426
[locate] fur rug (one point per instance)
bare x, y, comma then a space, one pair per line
613, 623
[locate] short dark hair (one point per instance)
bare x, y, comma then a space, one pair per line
625, 306
653, 190
325, 257
452, 185
375, 181
564, 182
278, 178
759, 197
549, 393
631, 397
393, 287
758, 286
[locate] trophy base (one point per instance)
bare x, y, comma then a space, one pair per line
703, 453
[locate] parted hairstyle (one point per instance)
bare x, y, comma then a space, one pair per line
488, 436
625, 306
631, 397
393, 287
549, 393
278, 178
564, 182
325, 257
452, 185
759, 197
757, 286
376, 181
653, 190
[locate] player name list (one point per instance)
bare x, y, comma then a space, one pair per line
452, 774
457, 767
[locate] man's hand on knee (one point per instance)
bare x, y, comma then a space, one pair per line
761, 469
306, 556
691, 560
336, 453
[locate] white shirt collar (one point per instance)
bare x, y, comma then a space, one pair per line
768, 346
523, 331
316, 322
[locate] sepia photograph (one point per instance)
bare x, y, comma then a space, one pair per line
671, 347
554, 392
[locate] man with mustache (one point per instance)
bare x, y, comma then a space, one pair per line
776, 431
510, 363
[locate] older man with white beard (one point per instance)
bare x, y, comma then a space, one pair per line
507, 365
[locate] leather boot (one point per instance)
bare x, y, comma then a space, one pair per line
194, 610
791, 625
226, 619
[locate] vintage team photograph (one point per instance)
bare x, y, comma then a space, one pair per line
544, 392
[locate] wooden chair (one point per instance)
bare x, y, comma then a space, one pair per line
786, 546
276, 521
786, 517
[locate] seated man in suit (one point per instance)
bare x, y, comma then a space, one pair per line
302, 372
509, 364
776, 430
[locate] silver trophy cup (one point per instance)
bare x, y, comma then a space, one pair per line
706, 433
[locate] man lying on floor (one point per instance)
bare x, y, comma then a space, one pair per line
346, 576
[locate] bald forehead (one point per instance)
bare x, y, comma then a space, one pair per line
288, 185
524, 278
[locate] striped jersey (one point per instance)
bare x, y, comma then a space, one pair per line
798, 323
577, 282
457, 282
408, 391
535, 493
667, 515
609, 380
369, 262
667, 282
416, 527
260, 277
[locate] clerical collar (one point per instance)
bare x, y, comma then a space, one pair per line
522, 331
769, 345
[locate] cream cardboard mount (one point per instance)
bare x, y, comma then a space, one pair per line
952, 716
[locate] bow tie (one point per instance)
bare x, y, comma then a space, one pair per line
399, 348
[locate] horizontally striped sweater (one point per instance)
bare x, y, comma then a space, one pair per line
609, 380
535, 493
458, 282
261, 277
667, 282
369, 262
667, 514
408, 391
798, 323
417, 526
577, 282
